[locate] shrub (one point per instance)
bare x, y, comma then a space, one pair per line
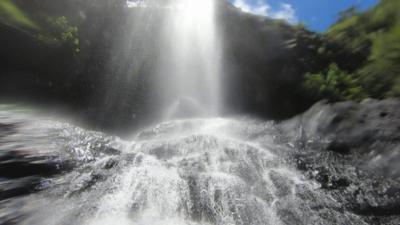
381, 74
334, 84
60, 32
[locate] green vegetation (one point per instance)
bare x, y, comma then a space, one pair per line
381, 75
334, 84
375, 35
54, 31
60, 32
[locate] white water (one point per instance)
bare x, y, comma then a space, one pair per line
185, 172
190, 64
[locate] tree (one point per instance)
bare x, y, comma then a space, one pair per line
348, 13
334, 84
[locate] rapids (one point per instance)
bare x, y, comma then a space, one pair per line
184, 172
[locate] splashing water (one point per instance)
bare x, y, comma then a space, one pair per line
185, 172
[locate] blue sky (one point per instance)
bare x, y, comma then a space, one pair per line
318, 15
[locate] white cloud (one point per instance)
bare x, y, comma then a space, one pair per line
262, 8
241, 4
259, 9
286, 12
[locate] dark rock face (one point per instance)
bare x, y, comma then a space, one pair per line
112, 82
27, 160
22, 170
352, 150
370, 128
262, 72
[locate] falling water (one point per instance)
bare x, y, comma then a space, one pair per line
190, 64
184, 172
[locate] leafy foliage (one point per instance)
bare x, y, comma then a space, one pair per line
55, 31
348, 13
60, 32
334, 84
375, 36
382, 73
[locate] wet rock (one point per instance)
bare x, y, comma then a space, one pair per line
369, 129
352, 150
177, 171
15, 164
288, 217
360, 125
282, 184
18, 187
339, 147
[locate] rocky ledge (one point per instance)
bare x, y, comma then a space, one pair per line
352, 149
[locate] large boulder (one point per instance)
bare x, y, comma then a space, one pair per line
371, 126
352, 149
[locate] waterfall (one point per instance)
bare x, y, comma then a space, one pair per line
185, 170
166, 65
190, 59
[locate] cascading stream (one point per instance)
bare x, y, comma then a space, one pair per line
184, 172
